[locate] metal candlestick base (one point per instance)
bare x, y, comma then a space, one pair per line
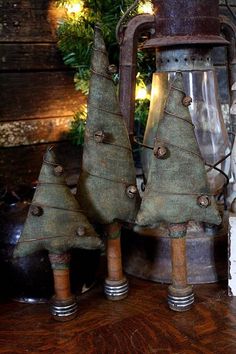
180, 300
116, 290
64, 310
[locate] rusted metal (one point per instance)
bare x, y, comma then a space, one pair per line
81, 230
147, 253
204, 201
58, 171
99, 136
112, 69
198, 23
36, 210
160, 151
128, 56
131, 191
187, 100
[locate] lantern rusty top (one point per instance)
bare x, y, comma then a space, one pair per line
186, 22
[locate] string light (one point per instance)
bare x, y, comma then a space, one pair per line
146, 8
74, 8
141, 93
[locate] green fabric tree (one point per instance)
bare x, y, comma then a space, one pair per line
177, 189
55, 221
107, 184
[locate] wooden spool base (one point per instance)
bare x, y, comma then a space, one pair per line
64, 310
116, 289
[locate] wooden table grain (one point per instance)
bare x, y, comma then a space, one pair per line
141, 323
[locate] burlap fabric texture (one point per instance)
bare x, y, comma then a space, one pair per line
108, 168
55, 221
176, 181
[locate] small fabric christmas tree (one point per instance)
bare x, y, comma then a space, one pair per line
55, 221
107, 184
177, 189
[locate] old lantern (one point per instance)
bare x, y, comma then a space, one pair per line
183, 34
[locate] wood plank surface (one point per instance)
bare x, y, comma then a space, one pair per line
29, 20
142, 323
21, 164
16, 57
38, 95
26, 132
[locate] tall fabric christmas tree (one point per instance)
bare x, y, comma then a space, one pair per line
177, 189
107, 185
55, 223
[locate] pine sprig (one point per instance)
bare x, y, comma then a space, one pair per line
75, 39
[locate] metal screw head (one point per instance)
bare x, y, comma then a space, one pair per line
203, 201
58, 171
36, 210
99, 136
81, 231
187, 100
160, 152
112, 69
131, 191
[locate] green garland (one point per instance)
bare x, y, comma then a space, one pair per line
75, 38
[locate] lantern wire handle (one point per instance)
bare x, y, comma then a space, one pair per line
230, 9
124, 17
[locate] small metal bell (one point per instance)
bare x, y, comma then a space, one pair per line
203, 201
58, 171
131, 191
81, 231
187, 100
36, 210
99, 136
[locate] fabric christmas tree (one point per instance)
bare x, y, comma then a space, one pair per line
56, 223
107, 184
177, 189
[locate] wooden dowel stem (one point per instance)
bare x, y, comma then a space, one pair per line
62, 284
114, 259
179, 263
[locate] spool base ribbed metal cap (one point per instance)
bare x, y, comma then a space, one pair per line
180, 303
116, 290
64, 310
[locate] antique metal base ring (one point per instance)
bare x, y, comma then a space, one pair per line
180, 303
116, 290
64, 310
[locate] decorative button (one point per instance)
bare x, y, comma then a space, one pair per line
99, 136
81, 231
112, 69
131, 191
187, 100
160, 151
36, 210
58, 171
203, 201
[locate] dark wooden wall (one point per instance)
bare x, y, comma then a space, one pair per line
37, 96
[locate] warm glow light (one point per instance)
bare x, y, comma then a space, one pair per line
141, 93
74, 8
145, 8
84, 112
